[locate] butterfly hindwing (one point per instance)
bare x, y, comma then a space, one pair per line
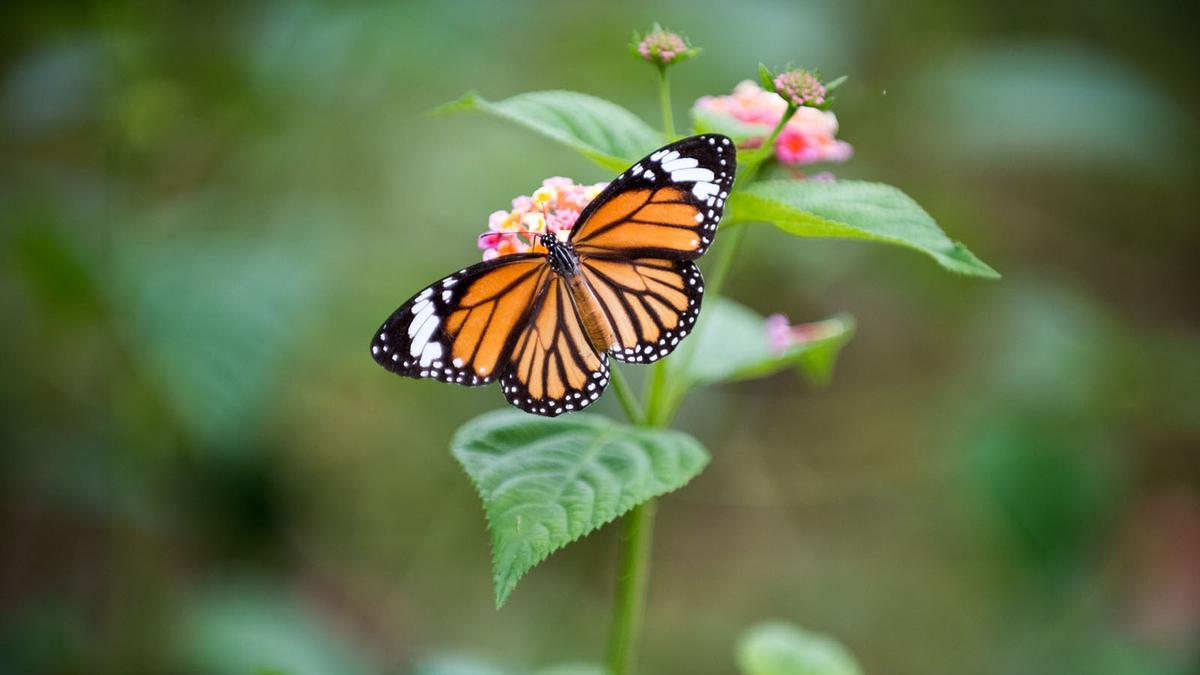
667, 205
461, 328
553, 368
650, 303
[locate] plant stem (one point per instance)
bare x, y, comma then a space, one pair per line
664, 102
729, 251
637, 527
654, 394
625, 395
633, 571
764, 152
637, 531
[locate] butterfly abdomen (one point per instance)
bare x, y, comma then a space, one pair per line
591, 315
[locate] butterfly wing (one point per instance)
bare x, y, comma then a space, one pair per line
554, 368
665, 206
650, 303
462, 328
637, 239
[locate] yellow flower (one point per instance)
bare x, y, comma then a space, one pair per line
543, 196
534, 222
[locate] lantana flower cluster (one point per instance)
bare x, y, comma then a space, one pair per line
554, 207
808, 137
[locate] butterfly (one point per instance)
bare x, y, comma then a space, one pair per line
545, 322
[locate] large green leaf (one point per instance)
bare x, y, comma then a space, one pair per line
457, 664
547, 482
852, 210
574, 669
732, 343
778, 648
235, 628
212, 316
602, 131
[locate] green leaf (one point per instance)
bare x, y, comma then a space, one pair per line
600, 130
456, 664
547, 482
852, 210
731, 343
245, 627
574, 669
213, 316
835, 83
766, 77
778, 648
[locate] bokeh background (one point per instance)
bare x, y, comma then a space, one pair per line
207, 208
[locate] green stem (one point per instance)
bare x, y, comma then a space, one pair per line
655, 392
764, 152
629, 402
637, 530
633, 571
729, 251
637, 527
664, 102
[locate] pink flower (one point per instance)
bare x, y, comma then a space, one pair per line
553, 207
808, 137
662, 47
800, 87
781, 336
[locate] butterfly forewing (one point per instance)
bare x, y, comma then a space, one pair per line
461, 329
667, 205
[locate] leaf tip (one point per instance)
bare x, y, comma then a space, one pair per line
967, 263
468, 101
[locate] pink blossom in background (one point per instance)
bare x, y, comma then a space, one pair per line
662, 47
808, 137
800, 87
554, 207
782, 336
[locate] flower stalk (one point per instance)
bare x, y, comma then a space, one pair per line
664, 102
633, 573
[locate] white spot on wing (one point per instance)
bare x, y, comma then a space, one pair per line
681, 163
703, 190
692, 174
423, 335
420, 320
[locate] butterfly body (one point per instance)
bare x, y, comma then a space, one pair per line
544, 323
565, 263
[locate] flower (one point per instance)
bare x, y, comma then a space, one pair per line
662, 47
808, 137
553, 207
800, 88
781, 336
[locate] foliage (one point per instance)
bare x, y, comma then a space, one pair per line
777, 648
545, 483
730, 342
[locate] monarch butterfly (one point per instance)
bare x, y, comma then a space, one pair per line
544, 322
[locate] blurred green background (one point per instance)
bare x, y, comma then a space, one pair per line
206, 209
